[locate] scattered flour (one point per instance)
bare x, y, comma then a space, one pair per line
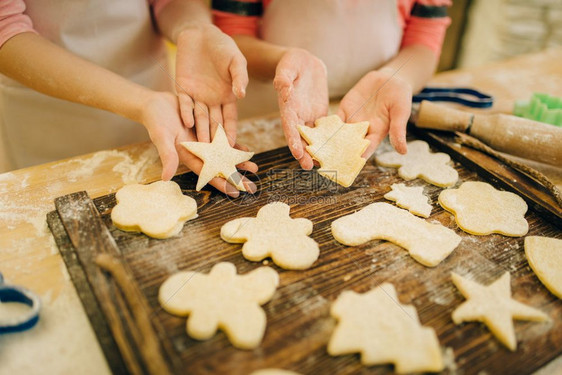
131, 171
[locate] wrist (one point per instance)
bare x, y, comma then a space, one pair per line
391, 73
185, 31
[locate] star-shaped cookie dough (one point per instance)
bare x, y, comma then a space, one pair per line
158, 210
410, 198
493, 306
420, 162
480, 209
222, 299
273, 233
219, 160
338, 147
383, 330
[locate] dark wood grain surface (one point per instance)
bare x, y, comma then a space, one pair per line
299, 325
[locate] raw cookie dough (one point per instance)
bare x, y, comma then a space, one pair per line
383, 330
480, 209
273, 371
219, 160
272, 233
427, 243
493, 306
158, 210
221, 299
410, 198
420, 162
544, 255
338, 147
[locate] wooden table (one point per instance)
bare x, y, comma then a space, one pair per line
63, 341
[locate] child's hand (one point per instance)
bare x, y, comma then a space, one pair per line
211, 74
387, 111
302, 89
161, 117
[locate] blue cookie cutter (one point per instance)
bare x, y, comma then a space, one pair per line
12, 293
461, 95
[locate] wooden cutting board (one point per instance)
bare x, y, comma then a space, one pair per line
299, 325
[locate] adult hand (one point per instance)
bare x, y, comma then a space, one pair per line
210, 74
387, 111
302, 90
161, 117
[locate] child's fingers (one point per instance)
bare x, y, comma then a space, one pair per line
168, 155
306, 162
283, 83
222, 185
239, 74
292, 135
377, 132
230, 115
399, 115
186, 109
249, 166
215, 113
202, 122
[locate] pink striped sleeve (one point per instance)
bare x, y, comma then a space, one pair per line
421, 27
13, 21
232, 23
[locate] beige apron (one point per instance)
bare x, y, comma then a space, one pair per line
352, 37
117, 35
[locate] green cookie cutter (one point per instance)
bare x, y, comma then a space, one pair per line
541, 107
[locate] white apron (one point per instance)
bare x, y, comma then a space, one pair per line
352, 37
117, 35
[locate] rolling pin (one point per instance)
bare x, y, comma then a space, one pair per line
505, 133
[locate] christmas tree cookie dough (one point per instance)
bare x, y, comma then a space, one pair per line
376, 325
492, 305
221, 299
158, 210
480, 209
422, 163
427, 243
273, 233
410, 198
544, 255
338, 147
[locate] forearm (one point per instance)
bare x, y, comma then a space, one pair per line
180, 14
262, 57
415, 64
47, 68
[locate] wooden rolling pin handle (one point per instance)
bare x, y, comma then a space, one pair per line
435, 116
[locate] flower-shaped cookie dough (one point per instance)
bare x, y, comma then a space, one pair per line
273, 233
420, 162
222, 299
158, 210
480, 209
383, 330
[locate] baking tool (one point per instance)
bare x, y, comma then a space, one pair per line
303, 299
12, 293
461, 95
541, 107
509, 134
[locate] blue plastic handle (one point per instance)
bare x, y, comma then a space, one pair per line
462, 95
10, 293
